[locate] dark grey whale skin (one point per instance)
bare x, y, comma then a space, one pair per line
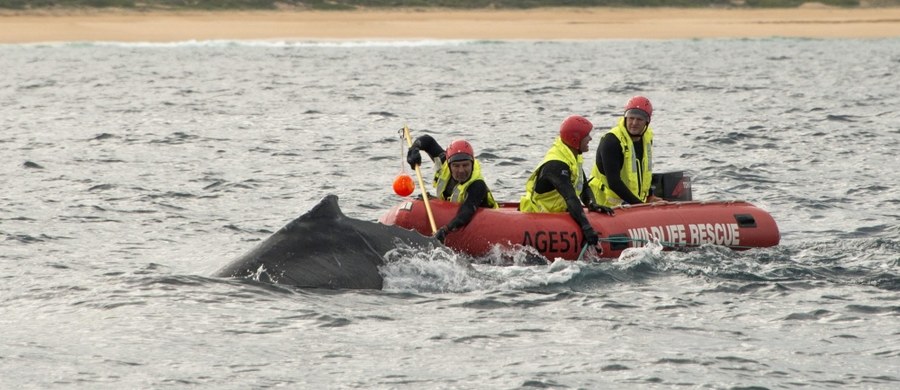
324, 249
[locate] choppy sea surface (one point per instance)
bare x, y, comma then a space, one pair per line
131, 172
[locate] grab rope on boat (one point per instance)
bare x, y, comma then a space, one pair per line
667, 244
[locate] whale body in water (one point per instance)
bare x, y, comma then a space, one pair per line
325, 249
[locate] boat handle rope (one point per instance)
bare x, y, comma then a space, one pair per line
668, 244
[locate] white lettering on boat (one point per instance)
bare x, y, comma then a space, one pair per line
727, 234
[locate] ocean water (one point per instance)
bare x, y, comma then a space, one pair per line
131, 172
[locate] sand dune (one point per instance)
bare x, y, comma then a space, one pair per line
550, 24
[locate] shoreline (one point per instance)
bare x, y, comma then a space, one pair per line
421, 24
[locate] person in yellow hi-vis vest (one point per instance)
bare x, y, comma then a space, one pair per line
558, 184
623, 170
457, 178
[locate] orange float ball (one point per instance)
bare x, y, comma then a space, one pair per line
404, 185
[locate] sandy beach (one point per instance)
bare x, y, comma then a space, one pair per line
541, 24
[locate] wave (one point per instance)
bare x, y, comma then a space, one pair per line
442, 271
388, 43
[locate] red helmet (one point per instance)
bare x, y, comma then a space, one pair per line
644, 109
460, 150
574, 129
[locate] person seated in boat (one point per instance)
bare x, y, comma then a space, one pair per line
559, 184
457, 178
622, 172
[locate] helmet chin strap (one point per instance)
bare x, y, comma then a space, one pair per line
575, 151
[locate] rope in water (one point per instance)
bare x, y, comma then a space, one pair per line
583, 249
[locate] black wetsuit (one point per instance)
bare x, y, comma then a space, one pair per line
555, 175
609, 161
476, 193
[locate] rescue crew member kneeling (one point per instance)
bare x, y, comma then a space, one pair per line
623, 171
559, 184
457, 178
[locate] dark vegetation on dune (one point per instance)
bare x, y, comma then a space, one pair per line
382, 4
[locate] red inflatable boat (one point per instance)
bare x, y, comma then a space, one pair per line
675, 224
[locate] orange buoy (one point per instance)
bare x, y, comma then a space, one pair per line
404, 185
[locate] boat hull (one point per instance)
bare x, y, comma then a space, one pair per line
734, 224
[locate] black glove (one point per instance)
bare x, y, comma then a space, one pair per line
413, 157
600, 209
590, 236
441, 234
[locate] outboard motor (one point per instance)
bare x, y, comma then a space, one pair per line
672, 186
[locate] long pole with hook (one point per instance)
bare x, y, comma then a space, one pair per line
421, 183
